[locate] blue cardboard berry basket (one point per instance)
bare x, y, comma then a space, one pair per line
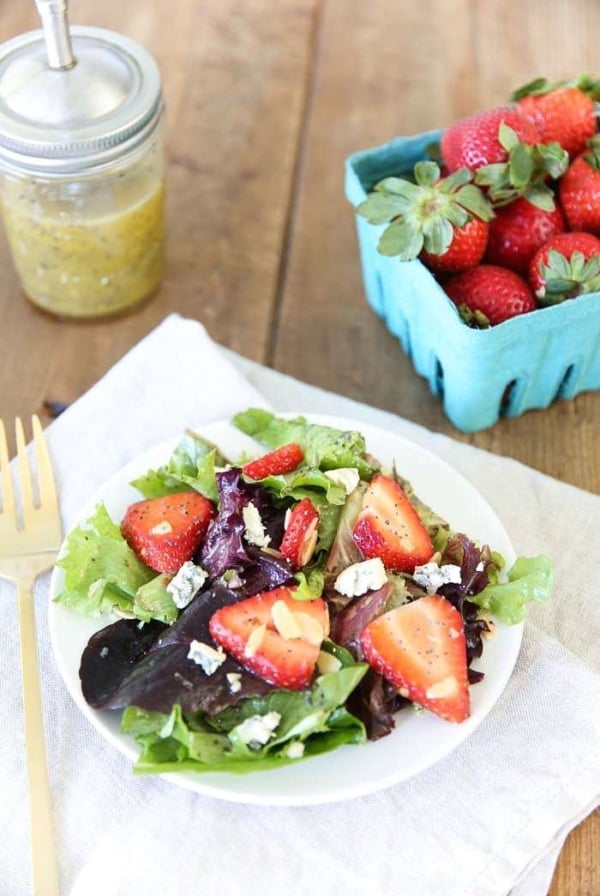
480, 375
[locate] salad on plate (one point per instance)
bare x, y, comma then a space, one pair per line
267, 608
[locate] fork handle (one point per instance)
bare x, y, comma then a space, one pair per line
43, 850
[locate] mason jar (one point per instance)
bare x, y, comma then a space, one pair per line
82, 172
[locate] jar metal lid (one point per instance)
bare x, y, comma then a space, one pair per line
54, 121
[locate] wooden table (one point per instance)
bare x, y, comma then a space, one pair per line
265, 100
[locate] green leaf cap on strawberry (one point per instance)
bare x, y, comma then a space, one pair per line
541, 87
524, 173
424, 214
474, 318
592, 154
566, 278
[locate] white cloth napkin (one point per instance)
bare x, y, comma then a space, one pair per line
488, 820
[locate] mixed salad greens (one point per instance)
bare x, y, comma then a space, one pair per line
265, 610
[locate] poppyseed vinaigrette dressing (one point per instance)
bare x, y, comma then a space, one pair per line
86, 250
81, 166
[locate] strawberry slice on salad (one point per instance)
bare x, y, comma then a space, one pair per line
165, 532
274, 636
420, 648
282, 460
389, 527
301, 533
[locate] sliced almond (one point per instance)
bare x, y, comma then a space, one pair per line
327, 662
311, 538
491, 628
257, 636
162, 528
311, 628
444, 688
285, 621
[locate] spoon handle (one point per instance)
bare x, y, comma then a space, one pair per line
53, 14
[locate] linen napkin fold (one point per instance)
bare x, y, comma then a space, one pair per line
487, 820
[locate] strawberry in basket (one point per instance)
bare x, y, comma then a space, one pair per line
442, 220
563, 112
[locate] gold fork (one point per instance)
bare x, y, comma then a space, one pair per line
29, 540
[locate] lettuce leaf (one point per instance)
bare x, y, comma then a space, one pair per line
325, 448
192, 465
153, 601
316, 718
103, 574
101, 571
529, 579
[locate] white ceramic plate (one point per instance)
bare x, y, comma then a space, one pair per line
419, 739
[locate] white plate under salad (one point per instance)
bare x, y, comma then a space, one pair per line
419, 739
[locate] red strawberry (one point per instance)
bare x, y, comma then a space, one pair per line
389, 527
273, 636
281, 460
565, 115
517, 232
444, 220
566, 266
420, 647
488, 295
473, 142
465, 251
165, 532
301, 533
579, 191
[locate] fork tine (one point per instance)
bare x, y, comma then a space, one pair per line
6, 491
48, 499
24, 473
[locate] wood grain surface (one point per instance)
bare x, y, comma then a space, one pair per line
265, 100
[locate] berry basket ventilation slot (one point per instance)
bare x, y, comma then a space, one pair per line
480, 375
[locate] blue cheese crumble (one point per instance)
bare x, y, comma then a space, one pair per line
257, 729
358, 578
186, 583
347, 477
255, 530
431, 576
234, 680
206, 656
294, 750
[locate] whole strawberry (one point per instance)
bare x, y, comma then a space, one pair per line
444, 220
579, 190
564, 267
465, 251
488, 295
562, 112
474, 141
518, 231
520, 165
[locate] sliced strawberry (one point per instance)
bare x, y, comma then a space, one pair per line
165, 532
388, 526
281, 460
420, 647
273, 636
301, 533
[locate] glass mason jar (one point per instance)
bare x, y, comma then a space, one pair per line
82, 172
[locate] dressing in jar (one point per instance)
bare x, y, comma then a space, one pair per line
81, 169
